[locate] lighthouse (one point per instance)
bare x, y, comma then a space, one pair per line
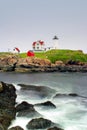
55, 42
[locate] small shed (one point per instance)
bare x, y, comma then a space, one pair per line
30, 53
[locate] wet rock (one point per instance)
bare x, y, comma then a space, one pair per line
16, 128
24, 106
1, 87
66, 95
1, 127
7, 104
46, 104
55, 128
73, 94
58, 95
27, 110
41, 91
39, 123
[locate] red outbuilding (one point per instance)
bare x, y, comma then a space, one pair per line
30, 53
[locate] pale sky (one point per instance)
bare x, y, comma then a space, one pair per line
24, 21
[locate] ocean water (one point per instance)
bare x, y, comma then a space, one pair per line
70, 112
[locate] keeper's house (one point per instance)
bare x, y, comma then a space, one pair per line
38, 45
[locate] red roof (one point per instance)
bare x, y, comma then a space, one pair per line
17, 49
40, 42
30, 53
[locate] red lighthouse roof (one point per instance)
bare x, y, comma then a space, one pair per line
40, 42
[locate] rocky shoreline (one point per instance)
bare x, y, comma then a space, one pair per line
17, 64
9, 109
7, 105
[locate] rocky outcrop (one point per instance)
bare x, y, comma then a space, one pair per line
8, 63
54, 128
46, 105
70, 95
66, 95
16, 128
41, 91
7, 104
27, 110
34, 64
39, 123
24, 106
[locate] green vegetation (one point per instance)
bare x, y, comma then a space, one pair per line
66, 55
63, 55
22, 55
55, 55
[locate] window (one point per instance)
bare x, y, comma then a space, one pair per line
37, 48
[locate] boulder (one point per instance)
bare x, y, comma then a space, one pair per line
33, 61
41, 91
24, 106
1, 87
73, 94
12, 60
54, 128
66, 95
41, 62
8, 63
16, 128
27, 110
39, 123
47, 104
72, 62
1, 127
7, 104
59, 63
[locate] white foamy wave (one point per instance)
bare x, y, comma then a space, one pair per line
20, 121
17, 86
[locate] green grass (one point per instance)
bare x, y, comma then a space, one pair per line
54, 55
23, 55
66, 55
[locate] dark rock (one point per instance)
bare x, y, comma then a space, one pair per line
1, 87
73, 94
46, 104
10, 68
72, 62
55, 128
66, 95
27, 113
8, 94
16, 128
26, 109
39, 123
24, 106
1, 127
7, 104
58, 95
41, 91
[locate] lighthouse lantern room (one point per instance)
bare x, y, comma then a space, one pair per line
55, 42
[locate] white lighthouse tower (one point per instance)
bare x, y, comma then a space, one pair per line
55, 42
